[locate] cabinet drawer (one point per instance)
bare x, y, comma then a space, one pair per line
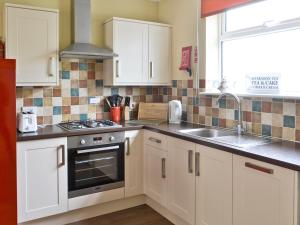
263, 194
156, 140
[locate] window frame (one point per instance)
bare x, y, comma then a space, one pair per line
263, 29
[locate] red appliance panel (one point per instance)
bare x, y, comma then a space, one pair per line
8, 187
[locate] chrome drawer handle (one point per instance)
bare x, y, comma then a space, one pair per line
163, 168
197, 164
155, 140
117, 68
128, 146
190, 161
63, 158
259, 168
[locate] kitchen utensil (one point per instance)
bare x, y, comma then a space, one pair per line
108, 103
119, 100
127, 101
112, 101
175, 111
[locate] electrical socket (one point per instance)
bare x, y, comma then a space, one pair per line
96, 100
133, 105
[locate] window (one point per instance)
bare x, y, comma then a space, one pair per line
261, 38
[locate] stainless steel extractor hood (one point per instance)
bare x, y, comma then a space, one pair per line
82, 48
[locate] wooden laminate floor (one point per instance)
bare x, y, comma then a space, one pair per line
140, 215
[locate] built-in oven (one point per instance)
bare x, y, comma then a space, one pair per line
95, 163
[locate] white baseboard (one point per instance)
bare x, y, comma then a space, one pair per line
89, 212
105, 208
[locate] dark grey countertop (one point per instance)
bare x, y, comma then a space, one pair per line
282, 153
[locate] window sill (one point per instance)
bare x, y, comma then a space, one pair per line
253, 95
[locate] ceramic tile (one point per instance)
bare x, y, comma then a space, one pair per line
289, 109
289, 121
288, 133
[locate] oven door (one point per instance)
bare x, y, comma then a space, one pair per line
95, 169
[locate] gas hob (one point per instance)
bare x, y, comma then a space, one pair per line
88, 124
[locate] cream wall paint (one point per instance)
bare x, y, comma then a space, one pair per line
182, 14
101, 11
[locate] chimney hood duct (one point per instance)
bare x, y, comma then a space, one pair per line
82, 48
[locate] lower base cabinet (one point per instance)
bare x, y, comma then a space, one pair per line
133, 163
42, 180
213, 186
207, 186
198, 184
181, 179
263, 194
155, 185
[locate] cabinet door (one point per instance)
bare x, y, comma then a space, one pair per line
42, 178
155, 174
263, 193
181, 179
213, 187
159, 54
32, 39
131, 44
134, 163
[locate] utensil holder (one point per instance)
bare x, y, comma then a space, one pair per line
115, 114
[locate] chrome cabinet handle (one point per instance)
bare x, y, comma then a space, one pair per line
151, 69
190, 161
52, 66
259, 168
63, 159
155, 140
163, 168
128, 146
197, 164
117, 69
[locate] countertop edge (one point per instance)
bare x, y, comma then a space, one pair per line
219, 146
73, 133
223, 147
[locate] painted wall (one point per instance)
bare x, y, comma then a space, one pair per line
182, 14
101, 11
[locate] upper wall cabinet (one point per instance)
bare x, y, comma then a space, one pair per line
144, 53
32, 39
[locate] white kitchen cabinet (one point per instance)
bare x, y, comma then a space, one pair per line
42, 180
263, 194
213, 186
144, 53
134, 163
32, 39
181, 179
155, 185
159, 55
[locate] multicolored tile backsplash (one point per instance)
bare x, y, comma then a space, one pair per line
272, 117
82, 80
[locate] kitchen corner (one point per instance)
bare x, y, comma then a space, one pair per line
150, 112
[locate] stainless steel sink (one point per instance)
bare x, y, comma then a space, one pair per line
207, 132
227, 137
243, 141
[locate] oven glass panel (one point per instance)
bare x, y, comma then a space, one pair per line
90, 169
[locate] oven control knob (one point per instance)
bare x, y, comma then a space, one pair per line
82, 142
112, 138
